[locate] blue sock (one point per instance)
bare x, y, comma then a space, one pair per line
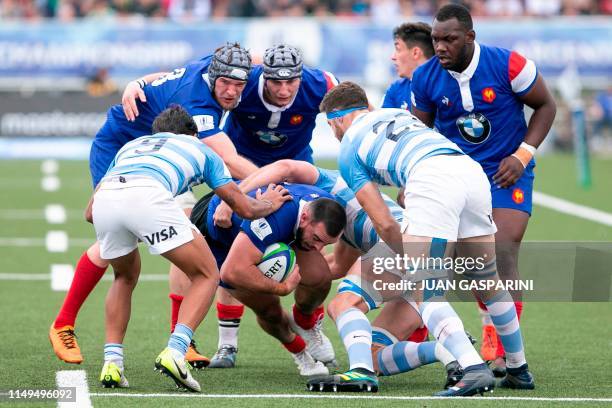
356, 333
180, 338
114, 352
405, 356
503, 314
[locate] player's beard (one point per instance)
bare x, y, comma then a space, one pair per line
299, 236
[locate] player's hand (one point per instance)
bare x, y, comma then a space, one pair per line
128, 100
276, 194
291, 282
223, 215
510, 170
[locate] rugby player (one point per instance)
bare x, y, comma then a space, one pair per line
447, 201
205, 89
134, 201
474, 95
308, 223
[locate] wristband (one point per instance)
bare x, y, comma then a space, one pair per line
524, 153
529, 148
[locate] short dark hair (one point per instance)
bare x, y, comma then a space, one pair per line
457, 11
415, 35
175, 120
343, 96
330, 213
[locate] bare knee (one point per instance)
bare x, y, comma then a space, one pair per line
342, 303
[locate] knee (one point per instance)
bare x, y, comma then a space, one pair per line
127, 280
341, 303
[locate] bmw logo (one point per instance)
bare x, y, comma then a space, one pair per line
475, 127
273, 139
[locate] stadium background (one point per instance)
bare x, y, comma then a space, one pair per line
63, 63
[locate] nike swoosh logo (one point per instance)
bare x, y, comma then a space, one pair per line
182, 373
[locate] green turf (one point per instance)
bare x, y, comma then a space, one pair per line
568, 344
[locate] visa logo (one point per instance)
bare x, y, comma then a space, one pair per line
161, 236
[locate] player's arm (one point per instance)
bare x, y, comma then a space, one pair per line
427, 118
292, 171
238, 166
249, 208
342, 258
544, 109
135, 89
240, 271
384, 223
421, 105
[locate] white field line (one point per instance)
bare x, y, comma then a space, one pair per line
78, 379
32, 214
42, 242
570, 208
342, 397
14, 276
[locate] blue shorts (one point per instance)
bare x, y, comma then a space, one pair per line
517, 196
103, 151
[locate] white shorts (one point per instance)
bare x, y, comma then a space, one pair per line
138, 209
186, 200
448, 197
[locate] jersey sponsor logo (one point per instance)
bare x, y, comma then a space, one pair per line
518, 196
474, 127
488, 95
161, 236
271, 138
296, 119
204, 122
261, 228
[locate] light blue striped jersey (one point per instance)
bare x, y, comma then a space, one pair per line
359, 230
177, 161
384, 145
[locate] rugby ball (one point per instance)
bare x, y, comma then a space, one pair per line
277, 262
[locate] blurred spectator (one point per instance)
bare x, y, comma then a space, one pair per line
100, 84
601, 112
543, 8
504, 8
181, 10
381, 11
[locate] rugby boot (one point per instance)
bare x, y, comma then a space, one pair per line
194, 358
171, 363
225, 357
357, 380
477, 379
488, 347
454, 374
317, 343
307, 365
498, 367
65, 345
518, 378
112, 376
